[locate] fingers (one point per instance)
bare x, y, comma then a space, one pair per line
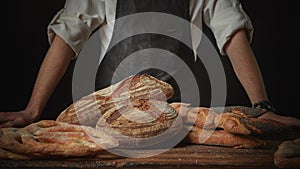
7, 124
14, 123
286, 120
5, 117
11, 120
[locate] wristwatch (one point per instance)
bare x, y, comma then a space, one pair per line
264, 104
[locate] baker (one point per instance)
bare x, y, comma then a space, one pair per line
73, 25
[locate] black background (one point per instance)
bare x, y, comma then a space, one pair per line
24, 45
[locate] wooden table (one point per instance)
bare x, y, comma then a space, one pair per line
181, 156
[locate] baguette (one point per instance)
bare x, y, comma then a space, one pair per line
222, 138
52, 138
233, 119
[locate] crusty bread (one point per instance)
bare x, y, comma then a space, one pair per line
222, 138
4, 154
136, 107
139, 121
142, 118
233, 119
88, 110
288, 154
207, 118
52, 138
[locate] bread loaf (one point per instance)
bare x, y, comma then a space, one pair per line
233, 119
288, 154
88, 110
223, 138
48, 138
140, 120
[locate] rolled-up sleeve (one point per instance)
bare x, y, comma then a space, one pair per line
76, 21
225, 17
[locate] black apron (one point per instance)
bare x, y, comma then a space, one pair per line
120, 51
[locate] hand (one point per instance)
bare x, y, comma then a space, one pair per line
286, 120
17, 119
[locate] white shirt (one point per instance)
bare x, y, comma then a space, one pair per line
79, 18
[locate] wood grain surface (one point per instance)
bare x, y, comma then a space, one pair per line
181, 156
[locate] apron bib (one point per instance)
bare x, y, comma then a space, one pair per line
143, 51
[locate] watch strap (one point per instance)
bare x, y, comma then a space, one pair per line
264, 104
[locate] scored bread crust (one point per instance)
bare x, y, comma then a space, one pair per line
223, 138
52, 138
140, 122
143, 118
131, 110
87, 110
233, 119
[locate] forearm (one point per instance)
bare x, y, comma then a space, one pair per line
245, 66
52, 69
